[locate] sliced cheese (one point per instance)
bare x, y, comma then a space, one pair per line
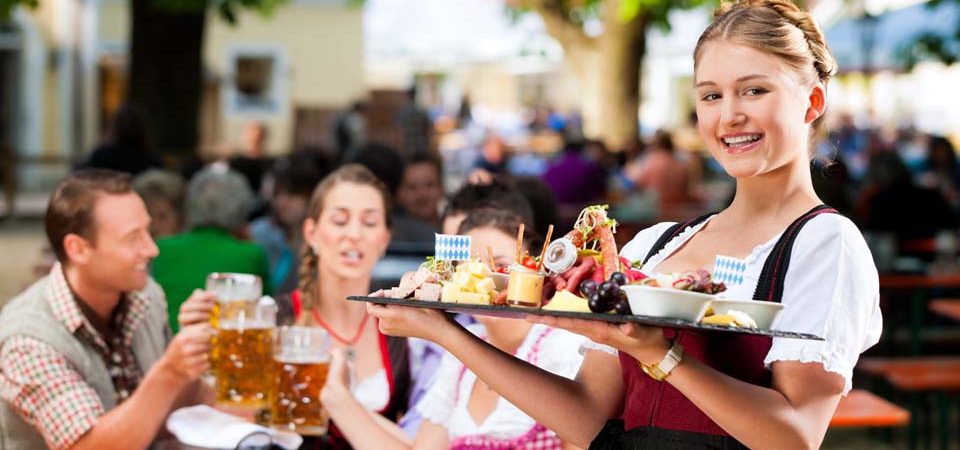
565, 300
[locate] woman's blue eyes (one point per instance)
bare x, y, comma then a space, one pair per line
747, 92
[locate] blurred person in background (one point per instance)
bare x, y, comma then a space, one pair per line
942, 170
661, 171
574, 178
163, 192
384, 161
127, 146
293, 179
417, 214
86, 358
253, 163
492, 160
350, 131
891, 202
216, 211
416, 128
851, 143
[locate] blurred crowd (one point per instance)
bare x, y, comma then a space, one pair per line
900, 187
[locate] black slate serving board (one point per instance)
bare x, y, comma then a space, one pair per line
520, 313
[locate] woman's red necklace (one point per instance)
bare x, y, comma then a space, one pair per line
348, 343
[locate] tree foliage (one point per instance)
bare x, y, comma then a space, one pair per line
935, 46
227, 9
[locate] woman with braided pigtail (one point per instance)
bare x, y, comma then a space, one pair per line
761, 71
346, 231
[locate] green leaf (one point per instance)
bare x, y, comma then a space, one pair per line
629, 9
227, 13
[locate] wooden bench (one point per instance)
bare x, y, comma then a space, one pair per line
946, 307
861, 408
921, 377
881, 367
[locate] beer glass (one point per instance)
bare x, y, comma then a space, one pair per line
302, 360
242, 351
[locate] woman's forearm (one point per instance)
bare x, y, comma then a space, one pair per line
363, 430
570, 408
759, 417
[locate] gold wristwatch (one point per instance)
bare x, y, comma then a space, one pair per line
669, 362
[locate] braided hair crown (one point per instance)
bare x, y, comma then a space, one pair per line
776, 27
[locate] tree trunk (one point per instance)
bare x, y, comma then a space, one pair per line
166, 67
609, 68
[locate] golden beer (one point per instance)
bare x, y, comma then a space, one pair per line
243, 364
296, 402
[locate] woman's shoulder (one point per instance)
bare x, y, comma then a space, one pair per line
832, 229
833, 242
640, 245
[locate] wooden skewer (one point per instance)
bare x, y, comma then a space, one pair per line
543, 251
490, 256
519, 244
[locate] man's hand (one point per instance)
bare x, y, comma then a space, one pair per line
197, 309
187, 356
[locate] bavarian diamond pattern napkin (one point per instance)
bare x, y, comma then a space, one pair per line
729, 270
451, 247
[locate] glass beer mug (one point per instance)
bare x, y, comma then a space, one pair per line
301, 359
242, 351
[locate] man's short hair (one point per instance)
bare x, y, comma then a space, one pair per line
427, 158
70, 210
384, 161
499, 194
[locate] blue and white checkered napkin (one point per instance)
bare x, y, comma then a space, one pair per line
729, 270
451, 247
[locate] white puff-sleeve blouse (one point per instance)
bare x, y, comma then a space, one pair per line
445, 403
831, 290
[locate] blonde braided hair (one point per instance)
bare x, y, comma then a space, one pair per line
307, 274
776, 27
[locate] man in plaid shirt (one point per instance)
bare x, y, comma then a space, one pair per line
86, 357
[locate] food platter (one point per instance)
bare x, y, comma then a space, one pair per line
521, 313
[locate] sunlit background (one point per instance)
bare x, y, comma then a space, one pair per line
322, 77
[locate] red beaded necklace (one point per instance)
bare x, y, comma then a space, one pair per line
346, 342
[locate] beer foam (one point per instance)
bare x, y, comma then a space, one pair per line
300, 357
244, 324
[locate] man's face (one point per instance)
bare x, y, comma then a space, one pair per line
420, 191
118, 257
290, 208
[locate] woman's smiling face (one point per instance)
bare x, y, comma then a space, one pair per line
753, 110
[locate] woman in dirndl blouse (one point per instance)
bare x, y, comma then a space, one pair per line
761, 71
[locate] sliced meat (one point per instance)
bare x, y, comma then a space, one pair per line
500, 298
428, 292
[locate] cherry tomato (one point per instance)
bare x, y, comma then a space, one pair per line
529, 263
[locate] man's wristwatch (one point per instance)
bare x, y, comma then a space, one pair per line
669, 362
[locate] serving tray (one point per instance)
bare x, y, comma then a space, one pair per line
520, 313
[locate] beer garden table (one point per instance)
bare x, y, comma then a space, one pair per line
918, 285
947, 308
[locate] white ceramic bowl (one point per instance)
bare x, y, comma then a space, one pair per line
500, 280
765, 314
666, 302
